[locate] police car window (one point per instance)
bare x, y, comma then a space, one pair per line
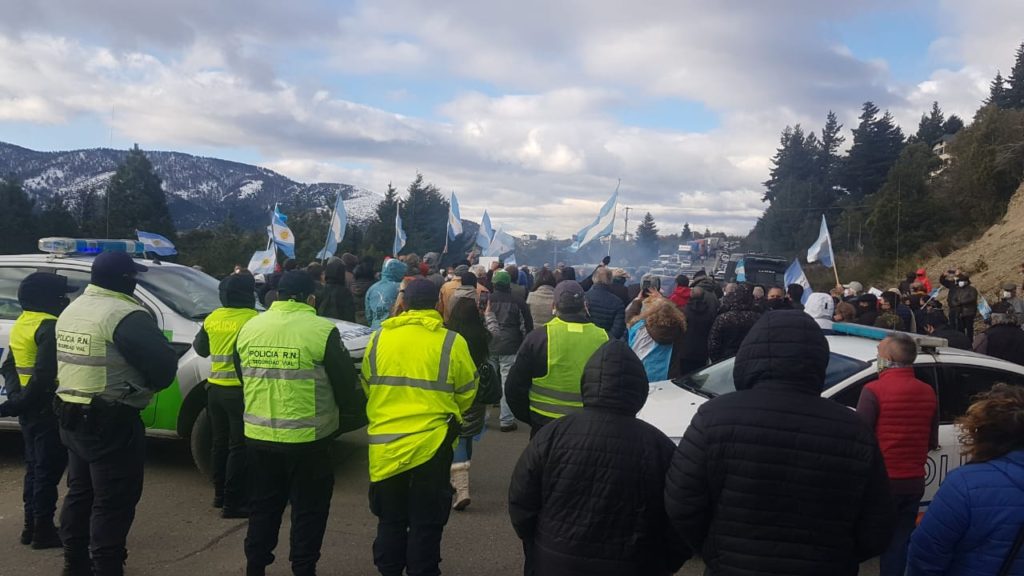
76, 279
10, 279
961, 384
716, 379
850, 395
190, 293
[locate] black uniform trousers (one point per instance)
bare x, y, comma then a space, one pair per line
413, 508
302, 476
45, 461
225, 406
105, 473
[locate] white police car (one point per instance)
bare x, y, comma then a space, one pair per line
956, 375
179, 298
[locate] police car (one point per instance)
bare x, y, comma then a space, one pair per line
179, 298
956, 375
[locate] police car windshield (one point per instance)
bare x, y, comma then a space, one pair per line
189, 292
716, 379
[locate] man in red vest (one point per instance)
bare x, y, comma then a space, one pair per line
902, 411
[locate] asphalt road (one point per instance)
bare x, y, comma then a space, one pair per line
177, 532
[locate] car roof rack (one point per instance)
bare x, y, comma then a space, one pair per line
927, 343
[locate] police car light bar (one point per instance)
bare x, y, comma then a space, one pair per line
880, 334
66, 246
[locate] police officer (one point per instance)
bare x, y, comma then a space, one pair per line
111, 359
419, 379
30, 373
295, 373
224, 404
544, 382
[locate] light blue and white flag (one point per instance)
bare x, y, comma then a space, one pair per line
510, 260
600, 227
795, 275
821, 250
263, 261
741, 270
983, 308
399, 235
156, 243
336, 233
281, 233
454, 218
501, 244
485, 234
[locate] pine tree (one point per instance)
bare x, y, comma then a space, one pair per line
687, 234
380, 234
424, 217
55, 219
829, 161
930, 130
953, 125
90, 213
1015, 89
18, 233
997, 92
647, 236
877, 143
137, 200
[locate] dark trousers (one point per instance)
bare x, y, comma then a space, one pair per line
967, 326
105, 472
225, 406
412, 509
45, 461
894, 560
303, 477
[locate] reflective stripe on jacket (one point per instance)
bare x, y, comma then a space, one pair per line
570, 346
288, 398
417, 376
23, 343
88, 362
222, 327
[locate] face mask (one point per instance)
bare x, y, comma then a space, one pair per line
961, 283
883, 364
63, 303
1007, 294
776, 304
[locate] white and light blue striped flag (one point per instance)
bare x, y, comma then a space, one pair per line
600, 227
485, 234
263, 261
336, 233
281, 233
501, 244
821, 250
454, 218
399, 235
795, 275
156, 243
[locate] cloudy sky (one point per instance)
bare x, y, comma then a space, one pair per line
531, 109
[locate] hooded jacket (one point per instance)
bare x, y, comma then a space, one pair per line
731, 327
381, 296
973, 520
606, 310
1003, 341
586, 496
773, 478
922, 277
513, 319
821, 307
711, 290
336, 301
699, 319
680, 296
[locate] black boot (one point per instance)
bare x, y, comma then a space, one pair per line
28, 530
111, 566
76, 563
45, 536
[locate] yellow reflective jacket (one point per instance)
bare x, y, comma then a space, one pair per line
416, 375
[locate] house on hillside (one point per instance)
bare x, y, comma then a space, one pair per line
941, 149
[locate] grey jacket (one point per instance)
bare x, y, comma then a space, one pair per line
541, 302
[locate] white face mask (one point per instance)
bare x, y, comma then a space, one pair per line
1007, 294
961, 283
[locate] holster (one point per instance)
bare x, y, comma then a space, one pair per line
96, 418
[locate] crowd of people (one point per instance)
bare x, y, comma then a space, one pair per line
771, 480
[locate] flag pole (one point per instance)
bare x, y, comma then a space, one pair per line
615, 214
832, 255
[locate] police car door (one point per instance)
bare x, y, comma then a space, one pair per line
10, 279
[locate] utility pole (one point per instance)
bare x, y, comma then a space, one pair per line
625, 235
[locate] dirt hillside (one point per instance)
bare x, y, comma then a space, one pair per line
995, 257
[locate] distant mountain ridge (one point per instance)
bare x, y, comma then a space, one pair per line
201, 192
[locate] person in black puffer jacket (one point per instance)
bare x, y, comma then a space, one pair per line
775, 479
336, 301
732, 325
606, 309
587, 494
699, 319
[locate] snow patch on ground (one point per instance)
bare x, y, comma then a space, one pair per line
250, 188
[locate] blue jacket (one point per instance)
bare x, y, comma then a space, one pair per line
607, 311
658, 357
971, 524
381, 296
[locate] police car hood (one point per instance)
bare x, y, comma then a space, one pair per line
670, 408
354, 336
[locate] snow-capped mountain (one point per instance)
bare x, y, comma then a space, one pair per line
201, 192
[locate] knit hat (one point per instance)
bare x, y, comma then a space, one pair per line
468, 278
568, 296
501, 278
420, 294
296, 285
461, 269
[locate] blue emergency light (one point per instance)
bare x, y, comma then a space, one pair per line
69, 246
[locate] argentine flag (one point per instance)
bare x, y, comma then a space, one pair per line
281, 234
399, 235
336, 233
156, 243
600, 227
485, 234
263, 261
821, 250
454, 218
501, 244
795, 275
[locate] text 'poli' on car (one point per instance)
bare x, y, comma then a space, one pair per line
956, 375
179, 298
